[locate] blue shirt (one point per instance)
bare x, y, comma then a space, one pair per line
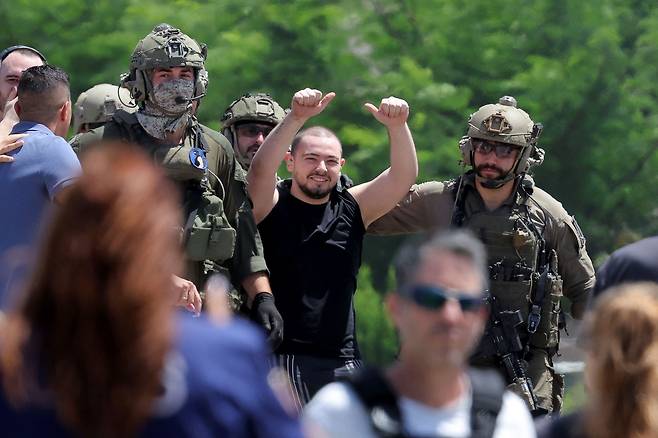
41, 168
215, 384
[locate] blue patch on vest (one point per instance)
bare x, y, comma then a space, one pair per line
198, 158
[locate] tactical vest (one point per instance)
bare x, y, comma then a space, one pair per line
522, 270
207, 236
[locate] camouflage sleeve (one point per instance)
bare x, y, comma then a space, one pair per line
248, 257
81, 142
426, 207
574, 264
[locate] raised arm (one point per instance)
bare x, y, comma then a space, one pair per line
378, 196
305, 104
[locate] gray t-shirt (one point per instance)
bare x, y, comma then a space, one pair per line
28, 185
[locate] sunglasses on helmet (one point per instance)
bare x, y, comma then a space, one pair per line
501, 150
253, 129
433, 297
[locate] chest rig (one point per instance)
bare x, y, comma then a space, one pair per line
207, 235
523, 272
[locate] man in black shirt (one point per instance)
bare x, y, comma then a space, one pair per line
313, 231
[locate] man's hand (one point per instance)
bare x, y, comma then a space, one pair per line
218, 308
308, 102
9, 118
391, 112
10, 143
187, 295
263, 312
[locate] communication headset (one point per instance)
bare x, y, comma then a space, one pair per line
6, 52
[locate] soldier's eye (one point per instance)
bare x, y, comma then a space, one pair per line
503, 151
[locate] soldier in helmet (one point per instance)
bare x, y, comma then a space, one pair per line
247, 121
96, 106
536, 251
167, 79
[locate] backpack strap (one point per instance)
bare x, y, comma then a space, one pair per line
379, 399
488, 389
381, 402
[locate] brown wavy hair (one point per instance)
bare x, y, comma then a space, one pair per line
96, 319
622, 367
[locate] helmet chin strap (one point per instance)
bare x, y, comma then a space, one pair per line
497, 183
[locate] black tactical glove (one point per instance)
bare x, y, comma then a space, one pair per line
264, 313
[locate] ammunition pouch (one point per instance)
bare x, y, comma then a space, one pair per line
513, 295
209, 236
547, 335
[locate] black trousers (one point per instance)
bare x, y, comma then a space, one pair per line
307, 374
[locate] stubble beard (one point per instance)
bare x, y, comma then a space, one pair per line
315, 193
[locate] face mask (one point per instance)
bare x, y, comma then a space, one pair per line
172, 97
168, 108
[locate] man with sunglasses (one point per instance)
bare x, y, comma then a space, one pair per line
438, 311
247, 122
536, 250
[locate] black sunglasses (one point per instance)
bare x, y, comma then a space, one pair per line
252, 130
433, 297
501, 150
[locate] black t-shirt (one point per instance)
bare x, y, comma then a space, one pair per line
635, 262
314, 254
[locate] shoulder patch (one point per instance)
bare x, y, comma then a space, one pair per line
575, 228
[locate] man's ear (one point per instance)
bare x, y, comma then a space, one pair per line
18, 109
483, 315
65, 111
289, 161
392, 303
342, 162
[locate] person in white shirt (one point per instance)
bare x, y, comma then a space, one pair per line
430, 391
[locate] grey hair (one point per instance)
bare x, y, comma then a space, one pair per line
459, 242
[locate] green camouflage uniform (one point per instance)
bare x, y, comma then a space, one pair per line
513, 235
95, 106
230, 186
218, 228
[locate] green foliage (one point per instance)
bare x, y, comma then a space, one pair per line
574, 397
375, 332
585, 68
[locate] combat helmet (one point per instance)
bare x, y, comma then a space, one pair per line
164, 46
96, 106
257, 107
504, 122
251, 107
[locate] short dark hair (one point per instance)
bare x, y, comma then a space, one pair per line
313, 131
461, 243
42, 91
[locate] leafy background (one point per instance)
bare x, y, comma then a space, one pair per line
585, 68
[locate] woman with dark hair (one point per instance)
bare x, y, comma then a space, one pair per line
95, 348
621, 374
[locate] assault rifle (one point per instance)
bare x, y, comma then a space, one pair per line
502, 340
